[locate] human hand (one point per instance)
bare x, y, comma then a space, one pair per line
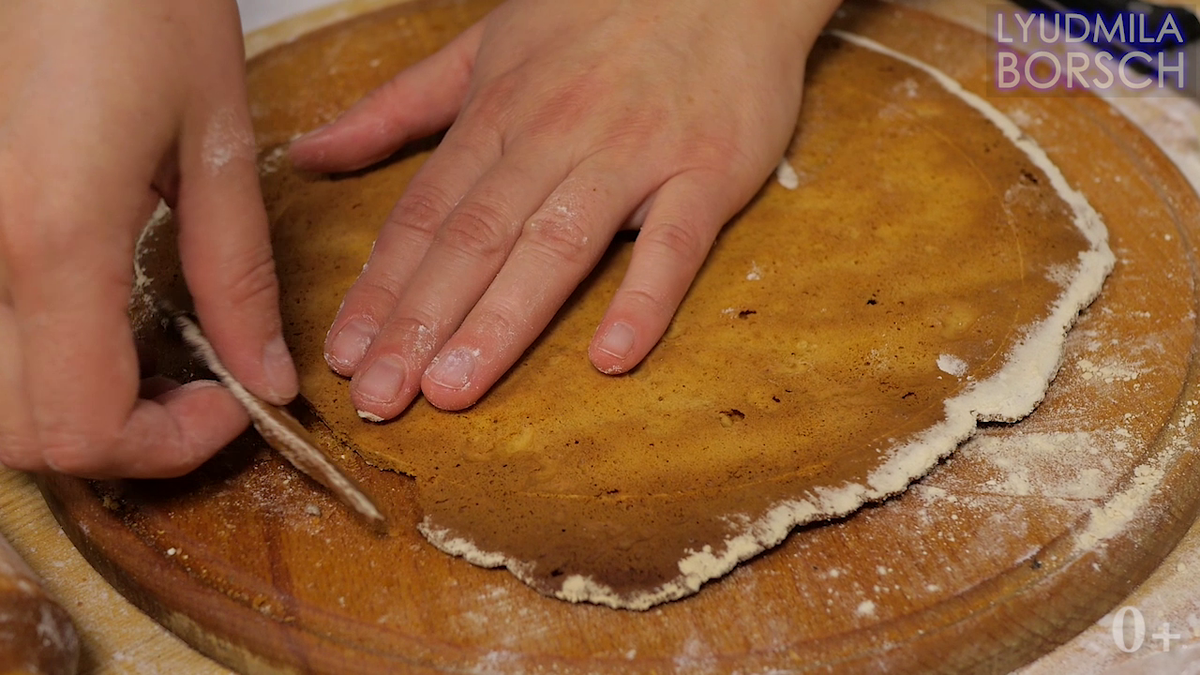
570, 120
105, 106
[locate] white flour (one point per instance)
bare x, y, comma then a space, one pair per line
225, 139
786, 174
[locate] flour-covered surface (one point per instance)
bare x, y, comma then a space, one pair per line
1169, 600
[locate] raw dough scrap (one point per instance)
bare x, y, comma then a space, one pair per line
841, 339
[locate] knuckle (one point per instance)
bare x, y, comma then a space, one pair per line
20, 453
38, 228
253, 280
78, 453
502, 324
421, 211
676, 240
478, 230
377, 289
558, 237
31, 237
413, 338
374, 294
645, 301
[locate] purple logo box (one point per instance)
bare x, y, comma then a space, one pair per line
1036, 53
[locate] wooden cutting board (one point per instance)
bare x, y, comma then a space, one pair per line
1027, 535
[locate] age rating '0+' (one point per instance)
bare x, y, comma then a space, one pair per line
1129, 631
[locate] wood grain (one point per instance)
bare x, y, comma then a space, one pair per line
115, 637
37, 636
962, 573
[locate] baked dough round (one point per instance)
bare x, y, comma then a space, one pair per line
842, 337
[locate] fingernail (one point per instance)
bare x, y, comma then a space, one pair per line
350, 345
618, 341
281, 371
180, 390
454, 370
382, 381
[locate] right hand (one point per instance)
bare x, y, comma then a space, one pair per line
569, 119
105, 107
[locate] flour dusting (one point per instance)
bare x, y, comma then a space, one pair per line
1075, 465
271, 162
952, 365
755, 273
141, 304
1113, 517
225, 139
1108, 372
1170, 597
786, 174
141, 281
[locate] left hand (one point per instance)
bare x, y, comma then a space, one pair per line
570, 119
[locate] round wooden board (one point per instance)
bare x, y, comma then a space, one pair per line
1026, 536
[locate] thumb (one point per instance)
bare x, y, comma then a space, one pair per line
225, 249
423, 99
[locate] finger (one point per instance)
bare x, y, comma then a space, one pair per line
179, 430
468, 251
87, 421
69, 278
403, 241
225, 249
68, 247
559, 246
421, 100
79, 371
18, 435
166, 437
687, 214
